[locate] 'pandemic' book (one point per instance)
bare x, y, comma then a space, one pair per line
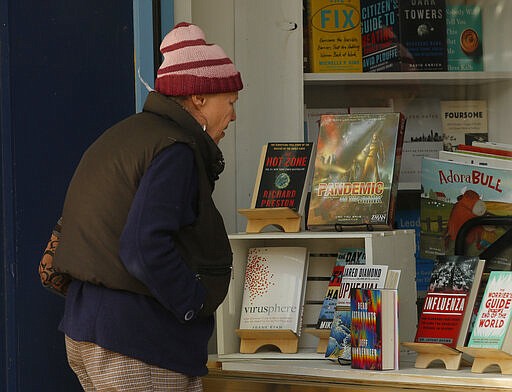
492, 328
274, 288
356, 171
335, 36
423, 35
374, 329
345, 257
283, 176
450, 301
380, 36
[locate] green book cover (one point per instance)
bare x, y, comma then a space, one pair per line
464, 37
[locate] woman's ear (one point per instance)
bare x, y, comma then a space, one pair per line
198, 100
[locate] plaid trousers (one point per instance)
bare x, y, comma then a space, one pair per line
101, 370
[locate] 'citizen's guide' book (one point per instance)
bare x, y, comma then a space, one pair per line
283, 176
274, 288
374, 329
345, 257
492, 327
450, 301
354, 276
356, 171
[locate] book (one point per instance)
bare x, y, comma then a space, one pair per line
464, 38
423, 137
313, 120
283, 176
335, 36
489, 151
380, 36
449, 305
274, 288
374, 329
453, 193
423, 35
476, 159
464, 121
492, 327
345, 257
356, 169
363, 276
496, 145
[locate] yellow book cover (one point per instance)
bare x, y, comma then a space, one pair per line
335, 36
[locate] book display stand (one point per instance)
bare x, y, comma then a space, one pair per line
322, 335
429, 352
285, 218
485, 357
253, 339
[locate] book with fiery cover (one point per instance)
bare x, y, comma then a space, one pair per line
450, 302
283, 176
374, 329
356, 171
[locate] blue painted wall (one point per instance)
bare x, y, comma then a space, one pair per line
67, 73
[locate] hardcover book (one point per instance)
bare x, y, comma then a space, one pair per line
423, 35
356, 171
450, 302
454, 193
335, 31
345, 256
380, 36
492, 325
274, 288
464, 38
283, 176
354, 276
374, 329
464, 122
423, 137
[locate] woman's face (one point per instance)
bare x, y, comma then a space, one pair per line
219, 111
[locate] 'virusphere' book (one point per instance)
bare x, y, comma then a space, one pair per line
356, 171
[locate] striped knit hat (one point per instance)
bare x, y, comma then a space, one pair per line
191, 66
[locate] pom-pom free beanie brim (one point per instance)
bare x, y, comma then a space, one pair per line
191, 66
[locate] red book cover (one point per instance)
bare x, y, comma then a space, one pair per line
450, 300
484, 150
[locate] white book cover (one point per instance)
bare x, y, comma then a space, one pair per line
479, 160
274, 288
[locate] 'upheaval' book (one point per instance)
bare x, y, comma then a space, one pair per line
356, 171
283, 176
450, 300
374, 329
274, 288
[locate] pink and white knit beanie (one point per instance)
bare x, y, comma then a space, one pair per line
191, 66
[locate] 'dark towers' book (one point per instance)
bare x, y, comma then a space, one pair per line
423, 35
274, 288
283, 176
374, 329
449, 304
380, 35
335, 36
356, 171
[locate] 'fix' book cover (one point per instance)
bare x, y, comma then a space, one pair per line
356, 171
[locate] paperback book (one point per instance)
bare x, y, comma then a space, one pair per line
454, 193
423, 35
374, 329
380, 36
492, 327
354, 276
450, 302
464, 38
356, 171
464, 122
345, 256
274, 288
283, 176
335, 36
